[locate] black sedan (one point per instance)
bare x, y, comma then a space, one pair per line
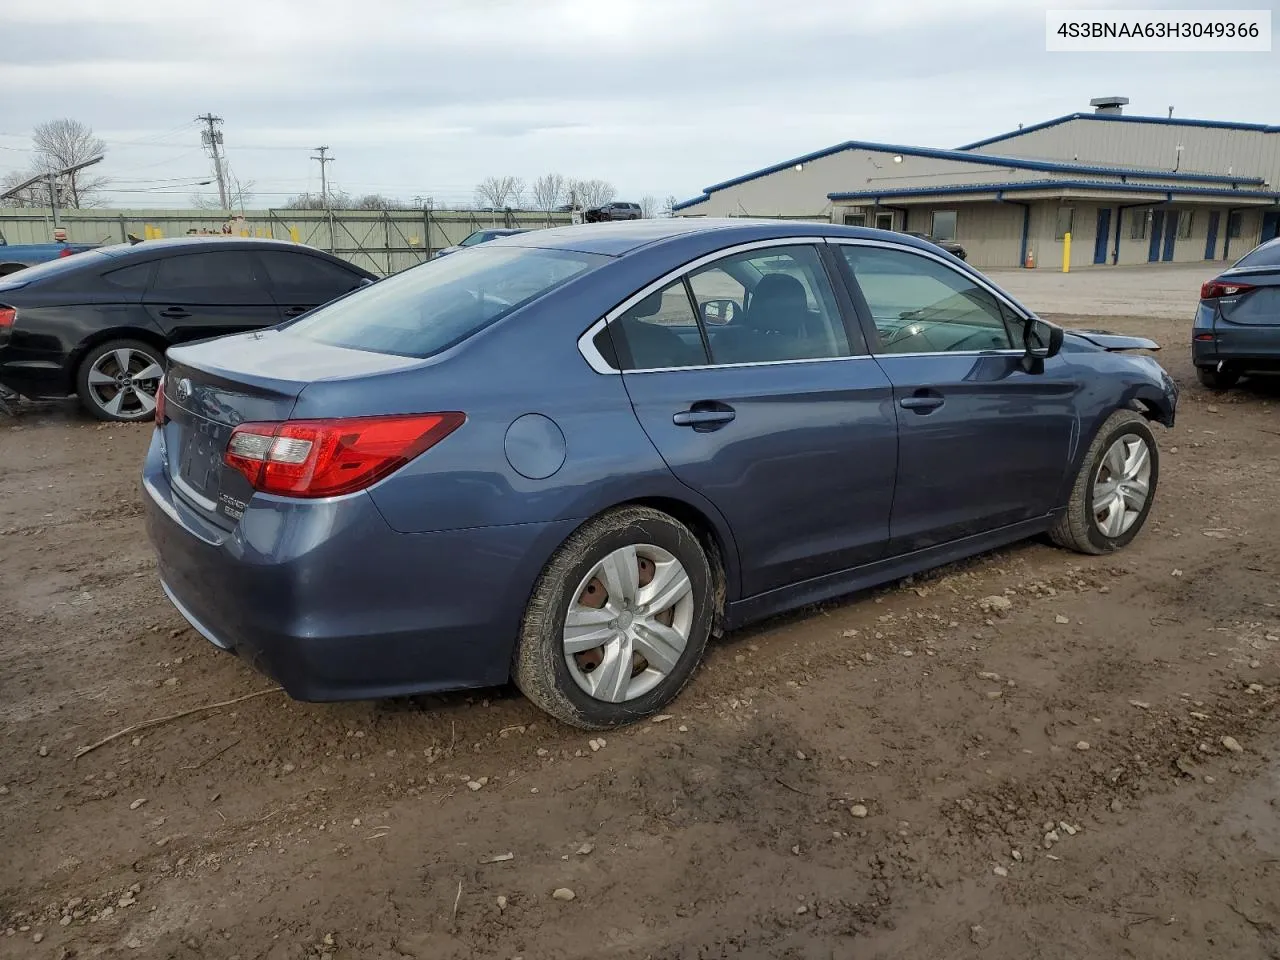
1237, 325
97, 324
950, 246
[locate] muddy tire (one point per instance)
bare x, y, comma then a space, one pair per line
618, 620
1115, 488
1216, 379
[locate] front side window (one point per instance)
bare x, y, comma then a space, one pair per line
922, 306
1066, 215
943, 225
431, 307
223, 271
769, 305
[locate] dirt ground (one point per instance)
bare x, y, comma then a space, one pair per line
1091, 773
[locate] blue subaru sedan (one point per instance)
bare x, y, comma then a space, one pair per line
567, 458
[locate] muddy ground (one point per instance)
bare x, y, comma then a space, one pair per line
903, 774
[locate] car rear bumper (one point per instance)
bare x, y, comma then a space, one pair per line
323, 597
36, 374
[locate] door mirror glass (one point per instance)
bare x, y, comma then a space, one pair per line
719, 312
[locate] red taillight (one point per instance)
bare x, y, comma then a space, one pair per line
7, 316
65, 252
1213, 289
327, 458
160, 403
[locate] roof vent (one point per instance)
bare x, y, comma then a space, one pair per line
1112, 105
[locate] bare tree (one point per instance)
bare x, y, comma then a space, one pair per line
549, 191
239, 195
669, 206
64, 143
592, 193
376, 201
35, 195
313, 201
497, 193
648, 206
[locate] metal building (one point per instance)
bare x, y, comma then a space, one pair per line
1128, 189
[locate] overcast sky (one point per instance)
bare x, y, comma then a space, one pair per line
427, 97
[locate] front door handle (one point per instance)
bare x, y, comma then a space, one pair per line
174, 313
922, 403
703, 419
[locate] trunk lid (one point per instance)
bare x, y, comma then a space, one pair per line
214, 386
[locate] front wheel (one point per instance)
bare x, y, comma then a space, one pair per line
118, 380
1114, 489
617, 621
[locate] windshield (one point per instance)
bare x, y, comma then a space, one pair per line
431, 307
1265, 255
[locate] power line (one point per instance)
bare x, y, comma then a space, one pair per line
324, 182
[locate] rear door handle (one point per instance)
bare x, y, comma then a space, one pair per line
174, 313
921, 403
703, 420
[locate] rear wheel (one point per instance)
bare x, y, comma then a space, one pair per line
118, 380
1114, 489
618, 620
1217, 379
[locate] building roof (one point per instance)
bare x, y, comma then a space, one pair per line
1121, 118
960, 156
1052, 184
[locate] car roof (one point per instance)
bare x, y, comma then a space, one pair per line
215, 242
618, 238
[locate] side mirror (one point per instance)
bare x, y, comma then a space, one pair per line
1043, 340
719, 312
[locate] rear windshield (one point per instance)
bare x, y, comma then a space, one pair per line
431, 307
1267, 255
51, 268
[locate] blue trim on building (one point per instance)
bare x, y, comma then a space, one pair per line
988, 159
1121, 118
1023, 185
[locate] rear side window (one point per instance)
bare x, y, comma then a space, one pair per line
303, 270
205, 271
133, 277
431, 307
1267, 255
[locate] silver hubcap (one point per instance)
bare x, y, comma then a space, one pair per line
124, 382
628, 623
1122, 486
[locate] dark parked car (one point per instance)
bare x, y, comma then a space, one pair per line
568, 457
613, 211
1237, 325
479, 236
97, 324
950, 246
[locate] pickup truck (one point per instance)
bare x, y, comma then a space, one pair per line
19, 256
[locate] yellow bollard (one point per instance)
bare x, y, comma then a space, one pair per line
1066, 253
294, 235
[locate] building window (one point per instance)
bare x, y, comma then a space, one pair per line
1065, 217
884, 221
855, 219
1233, 225
1139, 224
1185, 219
943, 226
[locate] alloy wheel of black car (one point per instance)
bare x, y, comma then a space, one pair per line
118, 380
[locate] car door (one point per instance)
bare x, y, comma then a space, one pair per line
209, 293
774, 413
981, 443
300, 281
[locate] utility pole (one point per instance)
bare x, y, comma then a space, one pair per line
211, 137
324, 180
